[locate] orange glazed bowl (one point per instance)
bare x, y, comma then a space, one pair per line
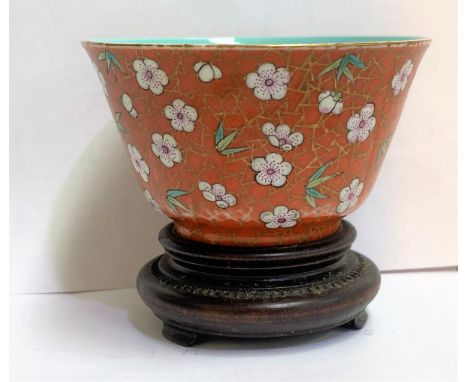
257, 141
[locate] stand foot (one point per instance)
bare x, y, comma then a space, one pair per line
359, 321
180, 336
201, 290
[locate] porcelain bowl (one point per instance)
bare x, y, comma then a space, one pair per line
256, 141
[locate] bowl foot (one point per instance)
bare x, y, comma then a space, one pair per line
201, 290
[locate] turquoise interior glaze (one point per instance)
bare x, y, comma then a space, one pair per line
257, 40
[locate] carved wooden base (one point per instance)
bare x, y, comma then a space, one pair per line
201, 290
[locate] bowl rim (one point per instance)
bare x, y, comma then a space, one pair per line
257, 42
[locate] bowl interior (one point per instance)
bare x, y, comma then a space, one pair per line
293, 40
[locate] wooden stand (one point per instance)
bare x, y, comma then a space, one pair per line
201, 290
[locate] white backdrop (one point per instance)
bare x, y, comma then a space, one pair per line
78, 220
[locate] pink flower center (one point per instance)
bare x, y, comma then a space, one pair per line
217, 197
282, 141
351, 196
180, 115
270, 171
281, 220
268, 82
165, 149
149, 74
362, 124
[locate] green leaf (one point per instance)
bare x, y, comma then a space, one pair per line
101, 56
171, 196
315, 194
330, 67
117, 62
321, 170
234, 150
173, 207
173, 202
348, 74
384, 147
111, 59
311, 201
121, 128
119, 124
315, 182
108, 61
226, 141
356, 61
219, 132
341, 69
382, 151
175, 193
312, 195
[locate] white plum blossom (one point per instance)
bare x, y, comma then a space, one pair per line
151, 201
102, 80
182, 116
349, 195
280, 136
207, 72
271, 170
360, 125
280, 217
150, 76
128, 105
165, 148
401, 78
140, 165
330, 102
217, 193
268, 82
